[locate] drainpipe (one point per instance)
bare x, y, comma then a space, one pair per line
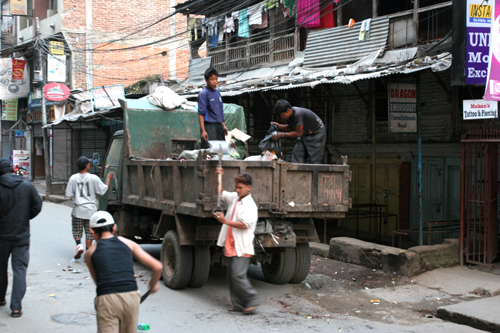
374, 146
419, 166
415, 21
374, 8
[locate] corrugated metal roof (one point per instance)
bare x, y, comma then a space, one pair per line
341, 45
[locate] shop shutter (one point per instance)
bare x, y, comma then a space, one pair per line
61, 153
5, 149
38, 131
93, 141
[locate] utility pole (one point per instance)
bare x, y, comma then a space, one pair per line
46, 154
415, 21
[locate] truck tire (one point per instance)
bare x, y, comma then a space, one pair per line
201, 266
281, 268
302, 263
177, 261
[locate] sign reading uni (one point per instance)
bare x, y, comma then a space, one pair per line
492, 91
478, 41
479, 109
402, 108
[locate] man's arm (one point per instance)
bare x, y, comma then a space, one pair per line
201, 120
282, 127
290, 135
87, 256
225, 128
70, 188
235, 224
36, 203
147, 260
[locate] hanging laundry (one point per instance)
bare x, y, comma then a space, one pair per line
243, 28
235, 15
220, 27
270, 4
308, 13
351, 23
203, 26
229, 25
288, 7
364, 32
265, 21
327, 19
255, 14
192, 29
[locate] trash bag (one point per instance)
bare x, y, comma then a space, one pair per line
269, 144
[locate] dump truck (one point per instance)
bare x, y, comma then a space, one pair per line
154, 196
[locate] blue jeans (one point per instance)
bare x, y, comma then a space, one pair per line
19, 249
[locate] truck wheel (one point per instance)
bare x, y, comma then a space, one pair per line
177, 261
201, 266
302, 264
281, 267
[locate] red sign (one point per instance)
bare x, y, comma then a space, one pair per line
18, 70
56, 92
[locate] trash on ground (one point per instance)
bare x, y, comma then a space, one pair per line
375, 301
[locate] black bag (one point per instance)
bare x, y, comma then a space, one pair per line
269, 144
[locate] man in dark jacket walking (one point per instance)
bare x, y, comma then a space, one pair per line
19, 203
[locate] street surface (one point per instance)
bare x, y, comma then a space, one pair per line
333, 298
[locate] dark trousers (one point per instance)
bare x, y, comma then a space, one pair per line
20, 258
243, 295
310, 148
215, 131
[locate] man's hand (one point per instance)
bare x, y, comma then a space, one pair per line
220, 217
225, 128
219, 170
277, 136
154, 288
275, 123
109, 176
204, 136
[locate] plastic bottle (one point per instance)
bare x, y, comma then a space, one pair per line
143, 327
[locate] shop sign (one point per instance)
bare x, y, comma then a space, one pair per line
18, 7
18, 66
480, 109
56, 48
21, 158
402, 108
108, 96
8, 88
56, 68
9, 109
36, 102
478, 26
492, 91
20, 133
56, 92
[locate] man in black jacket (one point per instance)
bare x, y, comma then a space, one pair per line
19, 203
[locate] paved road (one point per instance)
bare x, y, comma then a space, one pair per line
188, 310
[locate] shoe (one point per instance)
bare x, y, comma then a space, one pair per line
3, 303
16, 314
79, 251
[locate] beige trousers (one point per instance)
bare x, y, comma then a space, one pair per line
118, 312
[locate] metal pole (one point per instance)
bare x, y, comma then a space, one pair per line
415, 21
374, 8
46, 153
374, 144
419, 167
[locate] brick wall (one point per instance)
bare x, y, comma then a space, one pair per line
119, 62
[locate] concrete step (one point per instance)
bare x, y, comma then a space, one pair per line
481, 314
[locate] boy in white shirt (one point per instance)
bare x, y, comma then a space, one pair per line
84, 187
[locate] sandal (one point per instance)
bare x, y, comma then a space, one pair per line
235, 309
249, 311
16, 313
3, 303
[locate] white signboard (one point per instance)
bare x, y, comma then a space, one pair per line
21, 158
402, 108
480, 109
56, 68
9, 89
108, 96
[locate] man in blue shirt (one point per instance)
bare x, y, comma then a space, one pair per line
211, 110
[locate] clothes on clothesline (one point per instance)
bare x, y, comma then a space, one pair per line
308, 13
243, 27
192, 30
255, 14
265, 22
364, 31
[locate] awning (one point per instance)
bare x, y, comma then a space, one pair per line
71, 117
366, 68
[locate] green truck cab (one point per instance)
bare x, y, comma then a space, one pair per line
156, 197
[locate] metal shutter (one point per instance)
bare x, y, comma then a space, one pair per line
61, 145
93, 141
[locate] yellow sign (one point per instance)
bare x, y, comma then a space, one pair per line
57, 48
480, 11
18, 7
